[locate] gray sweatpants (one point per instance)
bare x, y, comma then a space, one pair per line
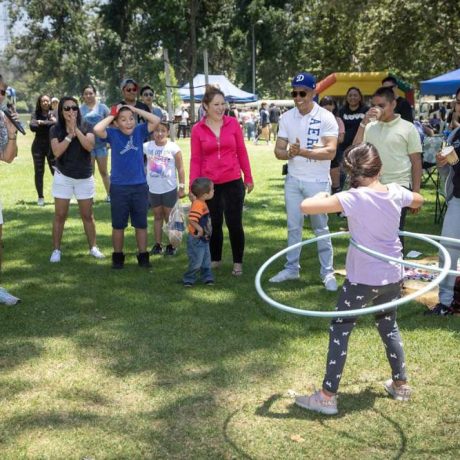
352, 297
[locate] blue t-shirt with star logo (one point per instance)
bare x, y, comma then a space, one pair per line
127, 155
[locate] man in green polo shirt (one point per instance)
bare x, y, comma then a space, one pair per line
397, 141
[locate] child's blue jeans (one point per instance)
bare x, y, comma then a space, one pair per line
199, 260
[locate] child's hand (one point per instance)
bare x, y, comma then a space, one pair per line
198, 233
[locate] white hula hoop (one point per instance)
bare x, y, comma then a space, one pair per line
443, 272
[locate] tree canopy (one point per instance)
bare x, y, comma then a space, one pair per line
63, 44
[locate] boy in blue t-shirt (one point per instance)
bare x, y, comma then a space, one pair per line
128, 185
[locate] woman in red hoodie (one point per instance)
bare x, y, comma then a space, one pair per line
219, 153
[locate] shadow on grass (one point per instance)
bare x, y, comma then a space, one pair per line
349, 403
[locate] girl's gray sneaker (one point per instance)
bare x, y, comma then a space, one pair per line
318, 403
401, 393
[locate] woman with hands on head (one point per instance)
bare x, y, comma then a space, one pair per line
72, 142
218, 152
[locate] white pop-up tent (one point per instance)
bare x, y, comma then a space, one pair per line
232, 93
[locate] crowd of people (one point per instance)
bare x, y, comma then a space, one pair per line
378, 149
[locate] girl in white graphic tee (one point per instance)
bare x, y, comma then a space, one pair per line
164, 164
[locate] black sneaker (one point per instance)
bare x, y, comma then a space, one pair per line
188, 285
169, 250
118, 260
440, 310
143, 260
156, 250
209, 283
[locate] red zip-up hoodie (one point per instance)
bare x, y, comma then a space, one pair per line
219, 159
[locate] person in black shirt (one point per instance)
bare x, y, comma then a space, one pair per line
402, 105
41, 121
274, 117
72, 142
352, 114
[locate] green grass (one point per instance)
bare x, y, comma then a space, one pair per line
129, 365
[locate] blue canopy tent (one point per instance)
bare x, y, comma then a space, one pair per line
232, 93
442, 85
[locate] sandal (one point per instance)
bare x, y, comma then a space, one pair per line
237, 270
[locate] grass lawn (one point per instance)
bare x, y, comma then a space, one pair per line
100, 364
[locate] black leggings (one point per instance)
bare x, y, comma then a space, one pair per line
39, 154
352, 297
227, 201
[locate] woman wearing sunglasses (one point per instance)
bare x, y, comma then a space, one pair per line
72, 143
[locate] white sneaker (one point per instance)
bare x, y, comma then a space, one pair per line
94, 251
330, 282
107, 199
55, 256
285, 275
7, 298
41, 202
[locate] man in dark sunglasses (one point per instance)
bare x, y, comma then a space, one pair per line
129, 90
307, 139
148, 98
8, 151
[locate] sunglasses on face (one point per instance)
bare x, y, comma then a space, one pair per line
3, 92
69, 108
148, 94
298, 93
131, 90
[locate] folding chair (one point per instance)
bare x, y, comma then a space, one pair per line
440, 205
431, 146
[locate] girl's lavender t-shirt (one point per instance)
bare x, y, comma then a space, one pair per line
373, 221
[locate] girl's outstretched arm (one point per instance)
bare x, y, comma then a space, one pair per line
321, 203
417, 201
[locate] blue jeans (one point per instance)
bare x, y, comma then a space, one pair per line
295, 191
250, 130
199, 260
450, 229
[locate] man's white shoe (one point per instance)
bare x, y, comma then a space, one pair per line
285, 275
41, 202
55, 256
94, 251
330, 282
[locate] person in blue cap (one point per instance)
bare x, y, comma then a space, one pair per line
307, 139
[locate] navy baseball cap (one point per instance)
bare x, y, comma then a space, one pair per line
304, 79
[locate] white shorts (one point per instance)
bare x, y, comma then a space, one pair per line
65, 187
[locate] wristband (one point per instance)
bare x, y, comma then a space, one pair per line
362, 125
181, 185
68, 139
